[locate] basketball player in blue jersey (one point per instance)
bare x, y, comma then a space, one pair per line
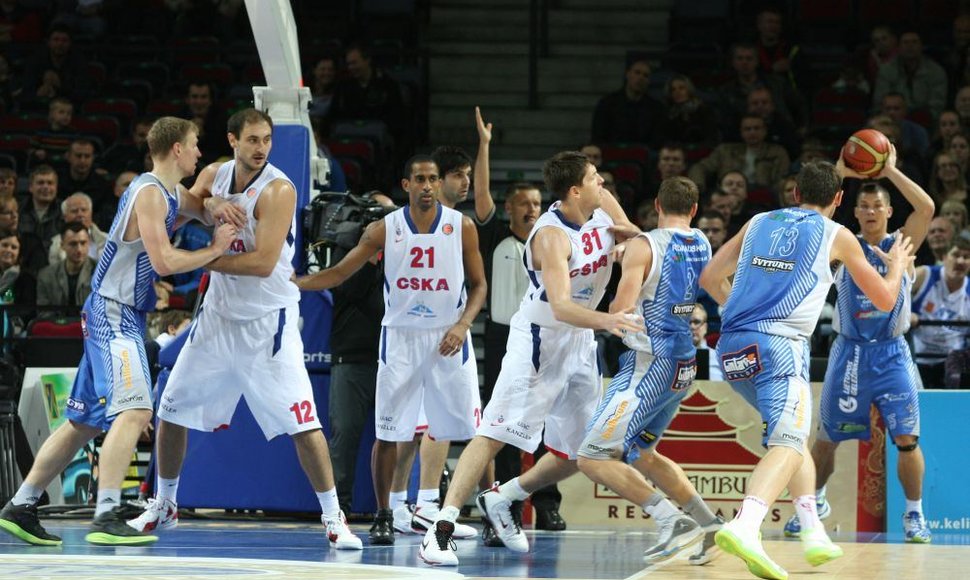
245, 341
112, 390
870, 362
782, 267
431, 256
660, 273
549, 378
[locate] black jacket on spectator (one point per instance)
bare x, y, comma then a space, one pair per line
379, 100
617, 119
44, 228
98, 188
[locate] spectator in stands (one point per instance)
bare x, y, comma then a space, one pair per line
128, 154
733, 95
851, 77
762, 163
33, 256
947, 126
19, 24
369, 93
59, 59
913, 136
83, 16
959, 149
884, 48
713, 226
956, 212
689, 119
609, 184
67, 282
106, 210
20, 282
41, 214
778, 55
940, 293
593, 153
946, 180
647, 215
200, 109
8, 182
938, 240
723, 204
786, 191
671, 162
698, 331
629, 115
77, 209
781, 130
920, 79
52, 142
79, 173
959, 75
322, 89
172, 323
958, 59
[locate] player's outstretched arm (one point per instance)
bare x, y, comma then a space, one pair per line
148, 223
370, 243
622, 228
550, 250
637, 259
918, 223
484, 203
715, 278
274, 211
197, 202
882, 292
477, 287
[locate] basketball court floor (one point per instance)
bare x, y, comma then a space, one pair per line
213, 549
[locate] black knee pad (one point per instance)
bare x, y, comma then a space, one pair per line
911, 447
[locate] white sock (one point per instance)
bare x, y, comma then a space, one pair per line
752, 514
329, 506
108, 499
807, 512
448, 514
428, 497
513, 491
167, 489
914, 505
398, 499
659, 508
27, 495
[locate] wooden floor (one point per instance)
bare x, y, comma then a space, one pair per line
206, 550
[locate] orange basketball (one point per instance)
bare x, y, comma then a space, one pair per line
866, 152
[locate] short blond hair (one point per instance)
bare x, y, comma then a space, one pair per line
166, 132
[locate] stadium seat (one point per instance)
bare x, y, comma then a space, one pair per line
70, 328
832, 98
853, 118
220, 74
105, 127
353, 173
156, 73
626, 152
97, 72
162, 107
27, 123
196, 49
16, 146
630, 172
125, 110
359, 149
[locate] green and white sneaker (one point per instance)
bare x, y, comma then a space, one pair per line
818, 547
745, 545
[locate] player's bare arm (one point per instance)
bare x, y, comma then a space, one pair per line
882, 292
477, 286
637, 259
918, 223
148, 223
197, 202
716, 276
484, 204
622, 228
274, 216
550, 253
371, 242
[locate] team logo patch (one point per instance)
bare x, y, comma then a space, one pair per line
251, 192
76, 405
447, 229
684, 374
647, 437
741, 365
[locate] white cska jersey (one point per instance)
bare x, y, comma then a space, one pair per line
424, 274
590, 263
239, 297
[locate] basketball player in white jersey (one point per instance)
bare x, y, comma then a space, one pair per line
245, 340
112, 390
549, 377
781, 262
660, 273
430, 255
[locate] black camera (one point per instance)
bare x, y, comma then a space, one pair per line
333, 223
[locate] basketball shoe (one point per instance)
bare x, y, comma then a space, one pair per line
423, 519
158, 515
818, 548
497, 508
22, 522
735, 540
676, 533
708, 549
438, 547
793, 527
110, 529
402, 519
340, 535
917, 532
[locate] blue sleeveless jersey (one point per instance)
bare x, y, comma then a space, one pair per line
783, 274
856, 319
669, 292
124, 272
